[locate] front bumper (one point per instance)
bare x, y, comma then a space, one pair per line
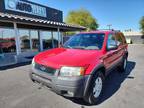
65, 86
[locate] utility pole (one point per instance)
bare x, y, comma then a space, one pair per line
109, 26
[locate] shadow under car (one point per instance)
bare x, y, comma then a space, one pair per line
112, 83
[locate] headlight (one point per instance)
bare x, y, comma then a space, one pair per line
72, 71
33, 62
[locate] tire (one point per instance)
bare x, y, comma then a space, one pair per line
123, 65
97, 83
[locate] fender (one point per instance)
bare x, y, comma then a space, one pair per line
87, 84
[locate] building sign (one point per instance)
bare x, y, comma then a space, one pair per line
25, 7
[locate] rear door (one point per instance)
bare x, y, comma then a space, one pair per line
121, 45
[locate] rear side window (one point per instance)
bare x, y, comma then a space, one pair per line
123, 38
120, 39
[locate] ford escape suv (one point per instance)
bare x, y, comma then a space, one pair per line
79, 67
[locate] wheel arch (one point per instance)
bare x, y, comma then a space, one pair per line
100, 67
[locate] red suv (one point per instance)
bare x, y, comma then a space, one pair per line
79, 67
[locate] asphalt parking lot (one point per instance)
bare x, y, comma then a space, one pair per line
121, 90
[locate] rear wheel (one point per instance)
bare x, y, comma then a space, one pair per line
95, 89
123, 66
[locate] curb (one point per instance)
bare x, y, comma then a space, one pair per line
14, 65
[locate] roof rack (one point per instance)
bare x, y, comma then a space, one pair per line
110, 29
117, 30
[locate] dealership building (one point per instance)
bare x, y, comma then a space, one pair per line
27, 27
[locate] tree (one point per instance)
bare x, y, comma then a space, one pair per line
82, 17
142, 25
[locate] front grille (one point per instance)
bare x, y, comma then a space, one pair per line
45, 69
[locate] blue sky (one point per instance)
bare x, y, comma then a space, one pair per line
122, 14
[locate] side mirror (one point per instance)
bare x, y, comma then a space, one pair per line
112, 47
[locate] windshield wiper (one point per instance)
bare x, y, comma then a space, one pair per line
74, 47
79, 47
67, 47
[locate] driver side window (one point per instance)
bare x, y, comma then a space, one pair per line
111, 43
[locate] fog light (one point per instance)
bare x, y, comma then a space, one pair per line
70, 93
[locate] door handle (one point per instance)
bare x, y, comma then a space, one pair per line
109, 55
115, 52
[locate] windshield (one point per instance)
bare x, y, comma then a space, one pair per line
85, 41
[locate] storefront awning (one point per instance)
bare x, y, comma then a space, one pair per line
34, 23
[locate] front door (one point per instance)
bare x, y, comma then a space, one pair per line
112, 52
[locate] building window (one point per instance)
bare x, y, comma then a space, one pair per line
24, 40
7, 41
56, 39
47, 40
35, 41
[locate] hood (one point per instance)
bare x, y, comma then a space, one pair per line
66, 57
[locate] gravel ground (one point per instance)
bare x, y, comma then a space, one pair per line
121, 90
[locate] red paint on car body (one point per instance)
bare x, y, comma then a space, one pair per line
58, 57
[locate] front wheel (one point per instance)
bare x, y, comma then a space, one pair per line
95, 89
